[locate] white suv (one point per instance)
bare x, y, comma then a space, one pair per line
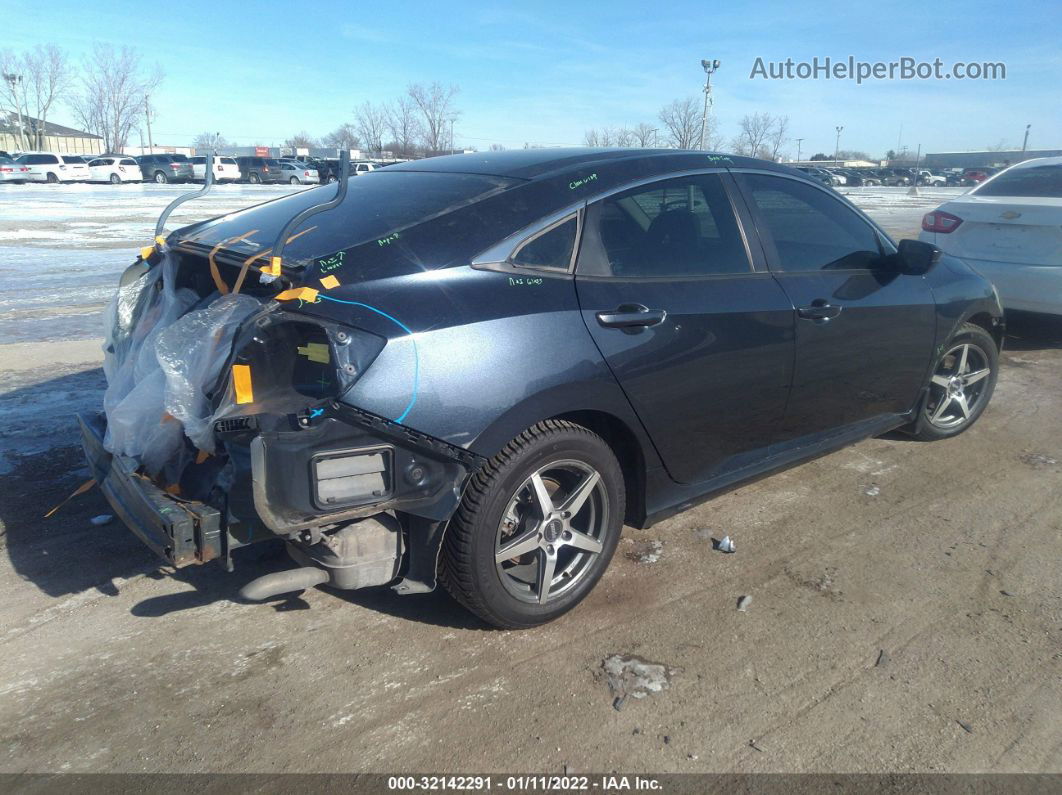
50, 167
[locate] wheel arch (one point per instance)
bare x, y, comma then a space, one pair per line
992, 324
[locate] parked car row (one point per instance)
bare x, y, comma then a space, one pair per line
163, 169
898, 177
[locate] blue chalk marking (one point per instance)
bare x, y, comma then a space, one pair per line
405, 328
315, 413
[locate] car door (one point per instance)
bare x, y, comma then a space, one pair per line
864, 331
699, 337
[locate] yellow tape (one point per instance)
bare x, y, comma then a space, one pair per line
273, 268
328, 282
298, 293
316, 352
146, 252
241, 382
160, 240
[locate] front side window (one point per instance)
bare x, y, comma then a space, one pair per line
551, 249
678, 227
810, 229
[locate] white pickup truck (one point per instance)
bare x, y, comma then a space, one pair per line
929, 178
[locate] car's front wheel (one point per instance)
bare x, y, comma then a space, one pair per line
115, 179
161, 178
254, 179
536, 528
962, 383
293, 181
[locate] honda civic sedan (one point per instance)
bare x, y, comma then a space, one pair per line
475, 370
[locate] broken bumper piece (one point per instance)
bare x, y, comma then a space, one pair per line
181, 532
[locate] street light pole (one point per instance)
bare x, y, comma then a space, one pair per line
799, 142
147, 116
709, 69
15, 81
1026, 141
837, 144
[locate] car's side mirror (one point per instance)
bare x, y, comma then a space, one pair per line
916, 257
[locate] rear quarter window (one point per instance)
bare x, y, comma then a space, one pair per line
1031, 182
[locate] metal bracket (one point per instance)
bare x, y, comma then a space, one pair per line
341, 193
208, 183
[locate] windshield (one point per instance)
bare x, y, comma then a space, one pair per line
1032, 181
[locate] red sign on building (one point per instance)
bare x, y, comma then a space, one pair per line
261, 151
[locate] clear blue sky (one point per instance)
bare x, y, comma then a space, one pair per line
545, 72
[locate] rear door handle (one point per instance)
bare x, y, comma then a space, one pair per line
631, 316
820, 309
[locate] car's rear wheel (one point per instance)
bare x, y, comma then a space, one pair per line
115, 179
254, 179
962, 383
52, 178
536, 528
293, 181
161, 178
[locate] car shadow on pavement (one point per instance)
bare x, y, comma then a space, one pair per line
67, 554
1032, 332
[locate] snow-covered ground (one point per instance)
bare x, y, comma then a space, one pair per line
62, 247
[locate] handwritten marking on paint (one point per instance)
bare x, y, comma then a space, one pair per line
578, 183
331, 263
386, 241
517, 281
719, 159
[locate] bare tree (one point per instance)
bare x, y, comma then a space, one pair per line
606, 137
590, 138
13, 93
210, 142
402, 122
371, 122
645, 135
345, 136
301, 139
436, 105
497, 147
624, 137
762, 135
682, 118
112, 94
48, 77
777, 137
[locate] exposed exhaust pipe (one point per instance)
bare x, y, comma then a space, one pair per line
280, 582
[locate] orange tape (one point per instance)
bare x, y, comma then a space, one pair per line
307, 294
328, 282
88, 484
241, 382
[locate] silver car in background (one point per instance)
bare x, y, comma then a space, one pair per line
295, 173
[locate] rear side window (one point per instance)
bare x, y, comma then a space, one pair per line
127, 161
679, 227
1032, 181
810, 229
70, 159
550, 249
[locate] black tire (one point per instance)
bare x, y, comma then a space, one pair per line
293, 181
254, 179
468, 567
115, 179
952, 422
161, 178
333, 178
52, 178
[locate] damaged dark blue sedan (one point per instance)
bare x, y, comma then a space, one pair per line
476, 369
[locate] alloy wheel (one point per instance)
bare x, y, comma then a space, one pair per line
957, 386
551, 531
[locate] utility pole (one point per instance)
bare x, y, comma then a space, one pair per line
451, 135
914, 183
799, 142
837, 144
147, 116
15, 81
1026, 141
709, 69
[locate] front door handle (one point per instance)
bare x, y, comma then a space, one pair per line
820, 309
631, 316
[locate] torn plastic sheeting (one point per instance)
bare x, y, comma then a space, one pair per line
162, 354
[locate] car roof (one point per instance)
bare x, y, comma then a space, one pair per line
1039, 161
532, 163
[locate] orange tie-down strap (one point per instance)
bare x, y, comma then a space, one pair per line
88, 484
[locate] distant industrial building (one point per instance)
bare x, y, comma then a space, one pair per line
57, 138
980, 159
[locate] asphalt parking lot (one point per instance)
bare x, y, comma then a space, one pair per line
905, 611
